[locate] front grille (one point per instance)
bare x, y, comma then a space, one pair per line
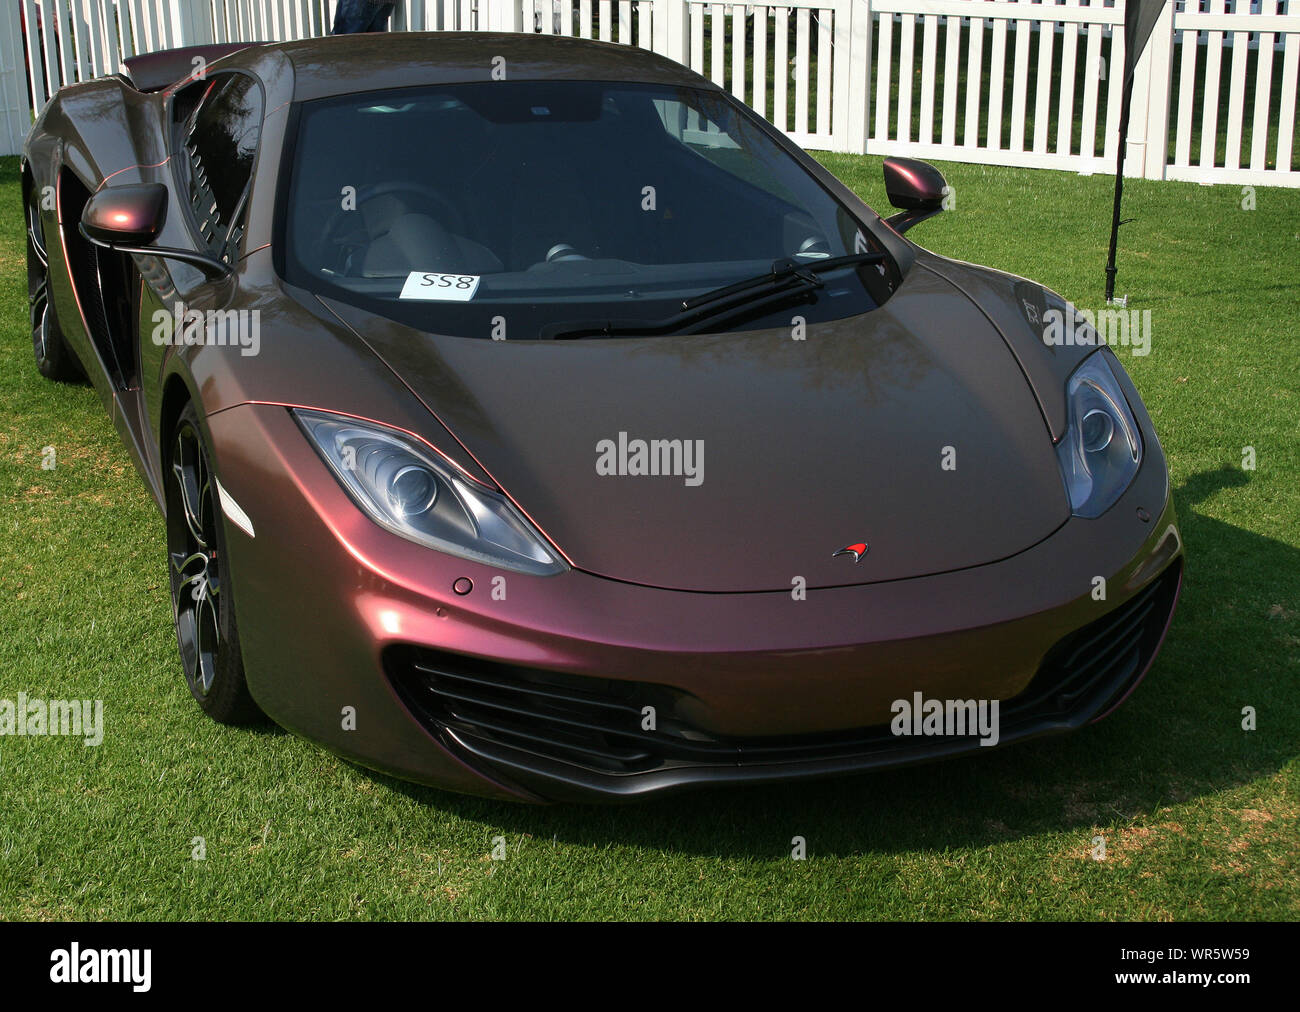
1095, 666
586, 721
545, 718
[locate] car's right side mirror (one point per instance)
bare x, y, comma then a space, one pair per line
917, 188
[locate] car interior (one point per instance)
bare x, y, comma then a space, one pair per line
440, 184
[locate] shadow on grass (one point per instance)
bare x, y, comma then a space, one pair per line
1179, 736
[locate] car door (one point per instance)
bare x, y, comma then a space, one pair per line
215, 126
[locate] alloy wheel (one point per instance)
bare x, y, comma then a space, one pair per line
195, 566
38, 300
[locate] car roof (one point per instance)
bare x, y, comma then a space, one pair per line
342, 64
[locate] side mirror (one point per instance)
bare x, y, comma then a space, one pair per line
129, 215
916, 187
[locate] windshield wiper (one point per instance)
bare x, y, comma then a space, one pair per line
783, 281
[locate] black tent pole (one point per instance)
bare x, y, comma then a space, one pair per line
1126, 98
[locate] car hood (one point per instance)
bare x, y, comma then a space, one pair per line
910, 429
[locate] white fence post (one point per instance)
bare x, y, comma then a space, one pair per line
1159, 56
14, 110
854, 95
502, 15
193, 23
670, 37
1135, 156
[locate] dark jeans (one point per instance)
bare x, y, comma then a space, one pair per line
362, 16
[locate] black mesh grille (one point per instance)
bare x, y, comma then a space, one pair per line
595, 724
1105, 655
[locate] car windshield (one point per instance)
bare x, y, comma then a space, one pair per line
502, 209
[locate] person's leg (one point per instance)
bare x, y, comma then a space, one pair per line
351, 16
379, 20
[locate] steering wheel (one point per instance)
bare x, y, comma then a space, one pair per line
452, 218
814, 247
563, 251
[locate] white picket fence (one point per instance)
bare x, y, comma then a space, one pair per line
1008, 82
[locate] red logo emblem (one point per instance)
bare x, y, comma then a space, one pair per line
857, 551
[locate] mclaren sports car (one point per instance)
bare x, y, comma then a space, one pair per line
530, 418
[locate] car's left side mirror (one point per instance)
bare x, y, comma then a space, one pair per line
917, 188
129, 215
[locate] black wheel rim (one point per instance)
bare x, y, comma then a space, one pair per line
38, 301
195, 570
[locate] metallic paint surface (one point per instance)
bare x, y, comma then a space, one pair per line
808, 445
758, 664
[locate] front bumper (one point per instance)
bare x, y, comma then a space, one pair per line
356, 639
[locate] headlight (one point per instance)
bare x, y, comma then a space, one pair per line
408, 489
1101, 449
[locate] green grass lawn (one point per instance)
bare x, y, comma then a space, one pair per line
1199, 816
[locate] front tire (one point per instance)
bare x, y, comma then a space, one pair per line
198, 566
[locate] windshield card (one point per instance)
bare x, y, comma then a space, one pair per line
433, 287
